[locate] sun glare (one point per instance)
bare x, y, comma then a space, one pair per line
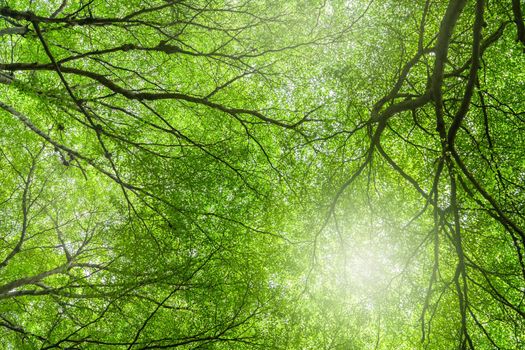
371, 267
363, 269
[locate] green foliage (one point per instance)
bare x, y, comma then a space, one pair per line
258, 174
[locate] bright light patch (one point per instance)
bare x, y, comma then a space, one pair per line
361, 270
368, 269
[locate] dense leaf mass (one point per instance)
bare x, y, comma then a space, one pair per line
262, 174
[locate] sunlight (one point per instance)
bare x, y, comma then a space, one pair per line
367, 268
362, 268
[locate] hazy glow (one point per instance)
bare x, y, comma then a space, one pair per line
361, 270
366, 268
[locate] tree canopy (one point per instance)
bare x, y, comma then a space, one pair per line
262, 174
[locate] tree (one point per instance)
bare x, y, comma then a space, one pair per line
261, 174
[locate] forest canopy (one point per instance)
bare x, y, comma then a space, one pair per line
262, 174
